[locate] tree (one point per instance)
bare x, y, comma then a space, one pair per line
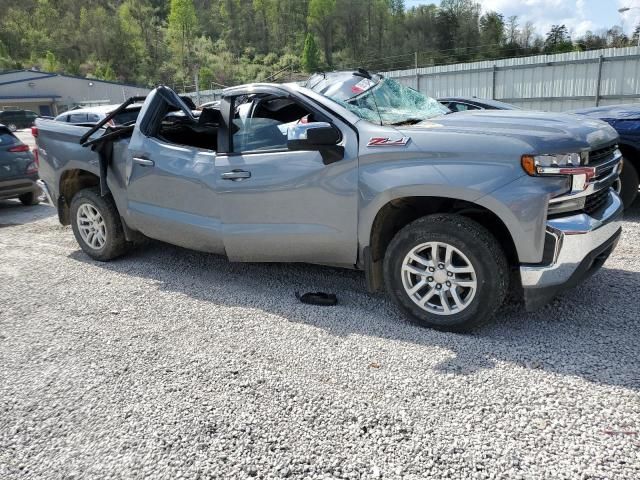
321, 21
558, 40
491, 33
527, 34
616, 37
182, 25
233, 41
591, 41
310, 55
512, 31
50, 62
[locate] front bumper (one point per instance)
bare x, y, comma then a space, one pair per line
581, 244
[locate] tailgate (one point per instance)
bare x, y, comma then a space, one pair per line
60, 142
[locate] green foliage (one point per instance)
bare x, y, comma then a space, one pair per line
558, 40
232, 41
50, 62
321, 19
182, 26
105, 72
310, 55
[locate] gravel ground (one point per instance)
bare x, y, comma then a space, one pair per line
175, 364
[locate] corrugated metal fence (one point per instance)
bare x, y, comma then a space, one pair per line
544, 82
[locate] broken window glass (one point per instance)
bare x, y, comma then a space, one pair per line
390, 103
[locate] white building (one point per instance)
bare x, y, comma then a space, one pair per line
51, 93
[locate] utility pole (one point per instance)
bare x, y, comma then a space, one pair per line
197, 79
415, 63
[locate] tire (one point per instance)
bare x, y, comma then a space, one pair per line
471, 245
29, 198
108, 240
12, 127
628, 184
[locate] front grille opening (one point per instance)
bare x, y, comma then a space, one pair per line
596, 201
602, 154
589, 205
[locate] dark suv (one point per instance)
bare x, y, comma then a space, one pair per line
15, 119
18, 169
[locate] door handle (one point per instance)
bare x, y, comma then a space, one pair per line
236, 175
144, 161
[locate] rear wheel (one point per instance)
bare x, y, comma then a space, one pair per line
96, 225
29, 198
12, 127
446, 272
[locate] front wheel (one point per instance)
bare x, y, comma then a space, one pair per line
12, 127
96, 225
446, 272
627, 185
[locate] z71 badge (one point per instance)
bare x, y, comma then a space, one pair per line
388, 142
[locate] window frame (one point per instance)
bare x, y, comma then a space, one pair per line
278, 93
86, 116
6, 131
471, 105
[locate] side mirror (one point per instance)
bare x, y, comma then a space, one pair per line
312, 136
317, 136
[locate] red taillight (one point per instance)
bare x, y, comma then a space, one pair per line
34, 131
32, 167
36, 156
19, 148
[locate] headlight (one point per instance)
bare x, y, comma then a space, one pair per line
548, 164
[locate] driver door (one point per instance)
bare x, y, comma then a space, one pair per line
280, 205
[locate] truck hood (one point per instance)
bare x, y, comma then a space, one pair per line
543, 132
611, 112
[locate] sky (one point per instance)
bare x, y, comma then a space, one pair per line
578, 15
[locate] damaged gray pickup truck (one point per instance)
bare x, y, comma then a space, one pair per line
446, 212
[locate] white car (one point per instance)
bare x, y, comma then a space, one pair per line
92, 115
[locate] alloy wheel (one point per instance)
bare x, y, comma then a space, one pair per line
91, 226
439, 278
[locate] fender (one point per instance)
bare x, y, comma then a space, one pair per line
518, 200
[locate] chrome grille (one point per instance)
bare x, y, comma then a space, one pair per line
596, 200
602, 154
604, 159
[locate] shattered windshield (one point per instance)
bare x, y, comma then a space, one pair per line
391, 103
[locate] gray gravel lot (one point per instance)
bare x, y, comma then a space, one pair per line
171, 364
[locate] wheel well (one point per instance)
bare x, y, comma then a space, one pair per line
400, 212
71, 182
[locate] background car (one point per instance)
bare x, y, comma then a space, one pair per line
463, 104
15, 119
92, 115
626, 120
18, 169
